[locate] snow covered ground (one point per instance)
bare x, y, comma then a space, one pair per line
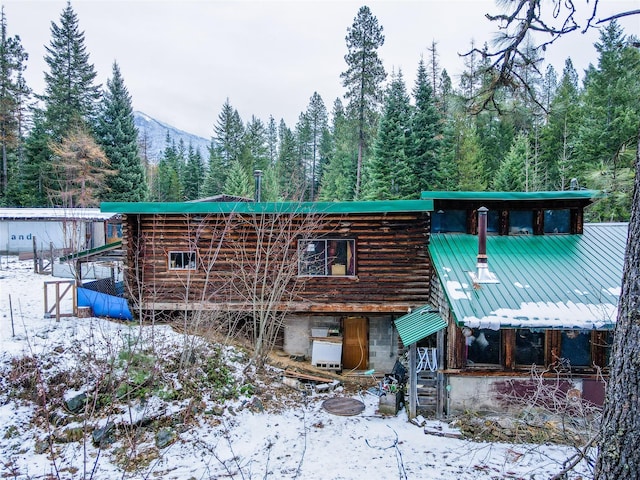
301, 441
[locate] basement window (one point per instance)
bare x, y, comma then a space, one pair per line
182, 260
326, 257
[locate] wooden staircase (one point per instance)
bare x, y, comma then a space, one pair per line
427, 392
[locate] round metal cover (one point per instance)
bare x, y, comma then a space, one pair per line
343, 406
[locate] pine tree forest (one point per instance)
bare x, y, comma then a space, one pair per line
388, 137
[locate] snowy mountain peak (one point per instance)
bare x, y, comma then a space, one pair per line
152, 136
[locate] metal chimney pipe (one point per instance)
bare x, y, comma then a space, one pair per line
258, 187
483, 275
482, 236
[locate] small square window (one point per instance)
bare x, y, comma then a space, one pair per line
520, 222
557, 221
182, 260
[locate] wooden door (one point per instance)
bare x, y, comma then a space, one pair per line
355, 343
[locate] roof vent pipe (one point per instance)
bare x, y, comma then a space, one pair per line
258, 188
483, 275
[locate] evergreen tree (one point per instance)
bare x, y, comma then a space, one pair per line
363, 79
13, 97
289, 170
425, 133
549, 87
471, 78
558, 136
193, 175
255, 151
36, 174
338, 179
512, 176
70, 97
317, 118
228, 133
447, 173
389, 175
304, 145
470, 161
272, 141
445, 91
434, 69
609, 117
168, 185
238, 181
216, 173
270, 185
117, 135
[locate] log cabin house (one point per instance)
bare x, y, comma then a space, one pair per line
372, 280
356, 266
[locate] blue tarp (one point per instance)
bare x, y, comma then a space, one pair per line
104, 305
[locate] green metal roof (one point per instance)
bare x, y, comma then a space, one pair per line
92, 251
378, 206
555, 195
546, 281
419, 324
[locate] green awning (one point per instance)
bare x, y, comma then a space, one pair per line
419, 324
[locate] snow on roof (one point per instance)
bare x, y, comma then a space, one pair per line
546, 281
89, 214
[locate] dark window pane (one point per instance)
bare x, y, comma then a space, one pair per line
557, 221
575, 347
529, 347
340, 257
483, 346
493, 221
312, 257
449, 221
520, 222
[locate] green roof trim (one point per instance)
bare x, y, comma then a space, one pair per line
532, 196
260, 208
419, 324
92, 251
545, 281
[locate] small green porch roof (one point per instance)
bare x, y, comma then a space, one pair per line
546, 281
520, 196
419, 324
92, 251
261, 208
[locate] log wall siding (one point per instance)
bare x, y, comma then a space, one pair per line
391, 259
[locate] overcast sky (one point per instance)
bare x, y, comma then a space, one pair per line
181, 59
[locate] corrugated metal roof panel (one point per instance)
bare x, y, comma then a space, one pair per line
378, 206
419, 324
88, 214
546, 281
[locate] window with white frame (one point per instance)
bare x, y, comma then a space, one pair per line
182, 260
326, 257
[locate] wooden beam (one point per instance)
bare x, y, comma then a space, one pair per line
398, 308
